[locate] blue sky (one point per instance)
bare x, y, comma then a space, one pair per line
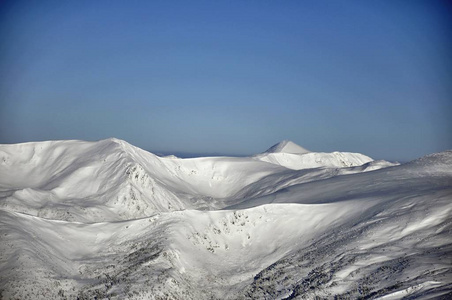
230, 77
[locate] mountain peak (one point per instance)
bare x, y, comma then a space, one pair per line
287, 146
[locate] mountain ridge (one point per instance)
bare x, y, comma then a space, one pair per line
107, 219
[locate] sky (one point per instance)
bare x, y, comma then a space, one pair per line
230, 77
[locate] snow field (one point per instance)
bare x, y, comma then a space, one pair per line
109, 220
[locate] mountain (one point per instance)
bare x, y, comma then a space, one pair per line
287, 146
108, 220
293, 156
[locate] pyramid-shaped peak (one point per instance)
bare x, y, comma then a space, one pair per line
287, 146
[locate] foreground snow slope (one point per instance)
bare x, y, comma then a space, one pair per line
222, 228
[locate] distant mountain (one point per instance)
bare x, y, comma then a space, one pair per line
287, 146
292, 156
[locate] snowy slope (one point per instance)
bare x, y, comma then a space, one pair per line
287, 146
292, 156
113, 180
80, 181
222, 228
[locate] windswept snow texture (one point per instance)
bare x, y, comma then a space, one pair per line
107, 220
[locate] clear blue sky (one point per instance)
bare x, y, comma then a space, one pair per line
230, 77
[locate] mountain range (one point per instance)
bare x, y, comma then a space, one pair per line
108, 220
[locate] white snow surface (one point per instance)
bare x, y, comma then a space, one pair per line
107, 220
292, 156
287, 146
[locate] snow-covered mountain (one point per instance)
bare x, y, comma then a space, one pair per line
293, 156
109, 220
287, 146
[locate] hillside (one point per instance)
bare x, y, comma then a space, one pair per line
109, 220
